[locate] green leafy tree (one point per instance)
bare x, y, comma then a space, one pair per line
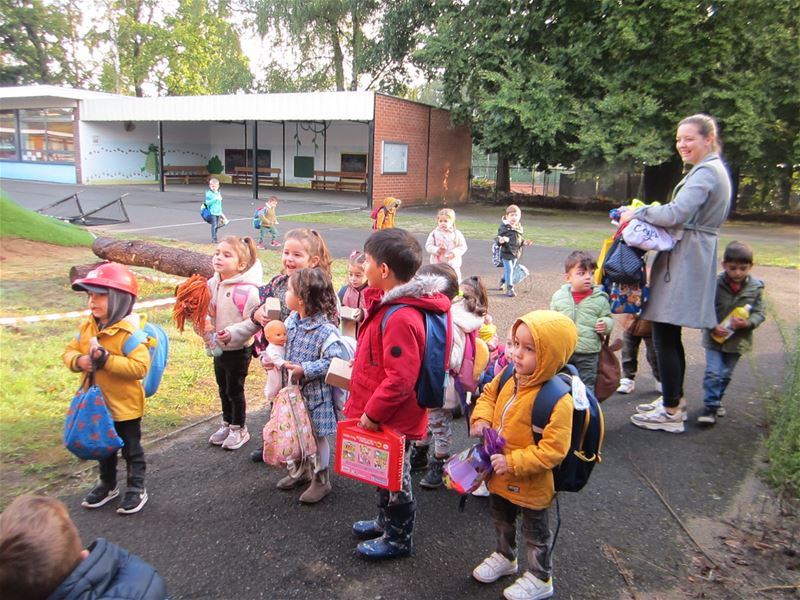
206, 56
31, 32
328, 34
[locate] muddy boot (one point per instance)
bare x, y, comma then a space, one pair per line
290, 482
368, 530
319, 488
396, 541
419, 458
433, 478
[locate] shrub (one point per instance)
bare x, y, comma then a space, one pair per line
215, 165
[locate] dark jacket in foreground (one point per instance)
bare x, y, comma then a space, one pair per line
111, 573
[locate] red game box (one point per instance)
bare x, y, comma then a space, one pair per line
374, 457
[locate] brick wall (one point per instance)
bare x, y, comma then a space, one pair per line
438, 155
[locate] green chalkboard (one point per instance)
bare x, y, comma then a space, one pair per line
304, 166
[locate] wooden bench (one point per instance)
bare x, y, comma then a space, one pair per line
266, 176
186, 173
345, 181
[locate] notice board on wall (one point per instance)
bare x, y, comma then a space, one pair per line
304, 166
394, 157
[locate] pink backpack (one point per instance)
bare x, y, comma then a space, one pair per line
289, 435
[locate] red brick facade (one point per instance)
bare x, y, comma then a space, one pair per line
439, 155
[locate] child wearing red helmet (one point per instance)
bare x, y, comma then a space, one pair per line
112, 290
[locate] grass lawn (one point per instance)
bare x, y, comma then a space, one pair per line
20, 222
37, 387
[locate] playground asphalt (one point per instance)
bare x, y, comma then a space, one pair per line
216, 527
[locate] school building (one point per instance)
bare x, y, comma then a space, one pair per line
359, 142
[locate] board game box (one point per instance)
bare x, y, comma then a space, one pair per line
373, 457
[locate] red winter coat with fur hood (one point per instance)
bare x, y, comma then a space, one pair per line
387, 363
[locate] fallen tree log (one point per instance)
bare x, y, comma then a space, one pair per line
174, 261
81, 271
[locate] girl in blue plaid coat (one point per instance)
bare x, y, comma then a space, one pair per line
312, 340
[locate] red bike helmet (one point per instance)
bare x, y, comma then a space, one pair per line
108, 275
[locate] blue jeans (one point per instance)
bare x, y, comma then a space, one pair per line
214, 227
508, 271
719, 370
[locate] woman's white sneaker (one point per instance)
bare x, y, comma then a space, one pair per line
659, 403
659, 420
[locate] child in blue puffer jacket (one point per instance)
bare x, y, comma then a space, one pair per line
41, 558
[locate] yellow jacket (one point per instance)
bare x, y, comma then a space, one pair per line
385, 218
529, 482
121, 378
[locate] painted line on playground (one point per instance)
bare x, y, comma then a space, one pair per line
76, 314
318, 212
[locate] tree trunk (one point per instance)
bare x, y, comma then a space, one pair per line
338, 56
736, 174
81, 271
502, 182
174, 261
355, 16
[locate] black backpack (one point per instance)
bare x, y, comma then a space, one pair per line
588, 428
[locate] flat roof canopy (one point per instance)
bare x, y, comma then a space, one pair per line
316, 106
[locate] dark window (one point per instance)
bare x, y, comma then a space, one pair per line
354, 163
238, 157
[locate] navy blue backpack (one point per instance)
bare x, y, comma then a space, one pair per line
432, 378
588, 428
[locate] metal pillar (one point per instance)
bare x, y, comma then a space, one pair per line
255, 160
161, 156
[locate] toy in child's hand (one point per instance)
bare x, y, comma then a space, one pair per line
192, 298
465, 471
275, 332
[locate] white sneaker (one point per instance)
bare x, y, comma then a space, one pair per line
220, 435
721, 411
626, 386
237, 438
657, 387
482, 490
659, 403
494, 567
529, 587
659, 420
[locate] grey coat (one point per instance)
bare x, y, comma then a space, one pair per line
683, 280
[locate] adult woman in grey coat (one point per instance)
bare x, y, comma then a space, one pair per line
683, 280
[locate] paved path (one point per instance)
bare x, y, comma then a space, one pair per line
216, 527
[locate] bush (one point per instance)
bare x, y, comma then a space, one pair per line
215, 165
783, 441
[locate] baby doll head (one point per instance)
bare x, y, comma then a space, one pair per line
275, 331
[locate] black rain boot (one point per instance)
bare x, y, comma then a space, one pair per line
369, 530
419, 458
433, 478
397, 540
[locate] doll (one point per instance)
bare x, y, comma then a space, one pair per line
275, 332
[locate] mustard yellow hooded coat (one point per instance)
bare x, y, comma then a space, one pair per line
529, 481
120, 379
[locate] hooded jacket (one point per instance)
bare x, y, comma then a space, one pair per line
453, 241
512, 249
387, 364
585, 315
385, 216
464, 322
120, 378
223, 310
111, 573
529, 481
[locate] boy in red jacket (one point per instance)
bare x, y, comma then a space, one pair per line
385, 372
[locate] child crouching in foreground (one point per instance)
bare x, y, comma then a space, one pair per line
543, 341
